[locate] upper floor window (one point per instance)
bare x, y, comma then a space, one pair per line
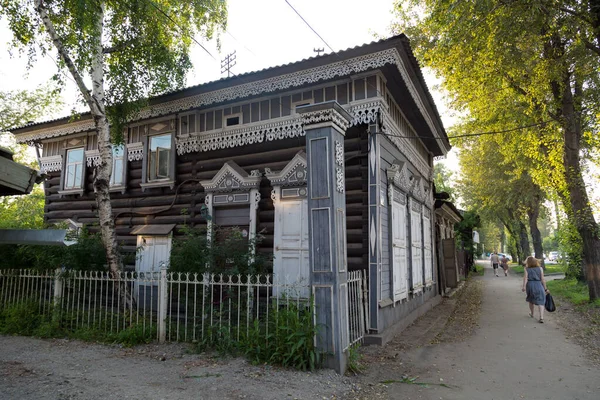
118, 171
74, 169
159, 157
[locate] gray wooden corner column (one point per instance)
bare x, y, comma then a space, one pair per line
325, 125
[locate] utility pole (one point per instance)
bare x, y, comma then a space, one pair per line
319, 51
227, 63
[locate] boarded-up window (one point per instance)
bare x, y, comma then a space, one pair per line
275, 108
342, 94
286, 106
264, 110
318, 95
359, 89
330, 93
372, 86
254, 112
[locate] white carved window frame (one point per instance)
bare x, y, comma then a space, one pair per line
168, 181
232, 185
399, 181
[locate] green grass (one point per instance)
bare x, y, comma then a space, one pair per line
550, 269
478, 270
571, 290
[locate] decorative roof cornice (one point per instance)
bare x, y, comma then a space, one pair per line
56, 131
303, 77
231, 177
293, 174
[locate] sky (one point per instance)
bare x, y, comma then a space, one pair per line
263, 33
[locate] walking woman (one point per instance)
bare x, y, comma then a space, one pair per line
535, 286
504, 264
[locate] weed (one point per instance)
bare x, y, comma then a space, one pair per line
354, 358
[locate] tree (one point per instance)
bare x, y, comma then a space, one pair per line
536, 58
19, 107
442, 177
118, 53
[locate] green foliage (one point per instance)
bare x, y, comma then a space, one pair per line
571, 247
464, 230
354, 359
23, 212
442, 178
22, 318
287, 340
228, 253
87, 254
25, 318
19, 107
571, 290
145, 44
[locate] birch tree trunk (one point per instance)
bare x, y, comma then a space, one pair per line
95, 100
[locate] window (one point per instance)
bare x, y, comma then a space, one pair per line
74, 169
233, 120
159, 157
118, 171
187, 124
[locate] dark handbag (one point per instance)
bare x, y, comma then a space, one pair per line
550, 307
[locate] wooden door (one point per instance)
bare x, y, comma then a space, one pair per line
290, 264
399, 251
449, 249
155, 251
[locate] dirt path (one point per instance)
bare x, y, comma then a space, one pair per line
488, 349
509, 356
59, 369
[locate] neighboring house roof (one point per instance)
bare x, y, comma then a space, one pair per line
448, 209
382, 54
46, 237
15, 179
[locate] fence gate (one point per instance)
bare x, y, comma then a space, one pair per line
358, 307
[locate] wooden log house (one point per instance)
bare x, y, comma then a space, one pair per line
237, 147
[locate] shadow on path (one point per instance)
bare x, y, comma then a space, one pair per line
510, 356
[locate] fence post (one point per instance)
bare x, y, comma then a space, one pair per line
163, 299
58, 287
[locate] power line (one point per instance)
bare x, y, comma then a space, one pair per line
467, 134
307, 24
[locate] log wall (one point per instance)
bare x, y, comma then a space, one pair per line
182, 205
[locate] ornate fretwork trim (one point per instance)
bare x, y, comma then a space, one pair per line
51, 163
282, 82
293, 174
56, 131
135, 151
366, 113
398, 175
276, 83
326, 117
339, 180
231, 177
288, 128
93, 158
339, 153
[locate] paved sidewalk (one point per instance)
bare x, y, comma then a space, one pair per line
510, 356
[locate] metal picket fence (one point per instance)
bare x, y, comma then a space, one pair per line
169, 306
172, 306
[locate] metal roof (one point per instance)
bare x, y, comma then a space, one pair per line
156, 230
